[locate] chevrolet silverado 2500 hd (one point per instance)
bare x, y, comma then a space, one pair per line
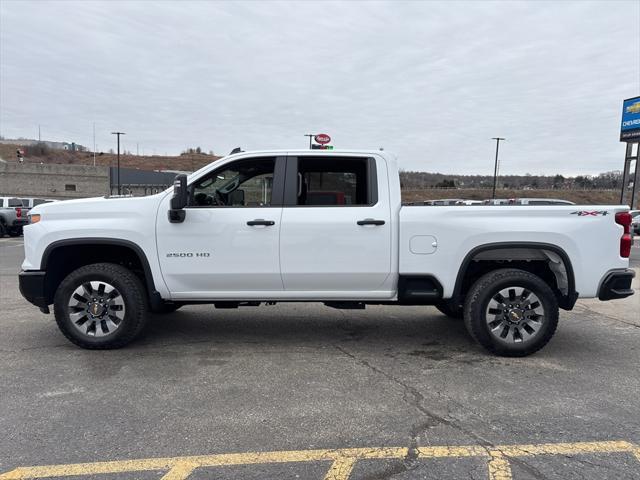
291, 226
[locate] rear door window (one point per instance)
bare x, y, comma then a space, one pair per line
334, 181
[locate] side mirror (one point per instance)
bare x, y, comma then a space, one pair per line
179, 199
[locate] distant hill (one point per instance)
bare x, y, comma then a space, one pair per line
421, 180
184, 162
410, 181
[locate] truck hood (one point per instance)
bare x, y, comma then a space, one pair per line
96, 205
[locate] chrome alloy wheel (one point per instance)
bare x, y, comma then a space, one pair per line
96, 309
514, 315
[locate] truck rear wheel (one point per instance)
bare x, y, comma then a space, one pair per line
511, 312
101, 306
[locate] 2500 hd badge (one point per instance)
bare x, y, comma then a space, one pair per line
188, 255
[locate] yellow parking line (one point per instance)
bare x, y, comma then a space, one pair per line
442, 452
565, 448
343, 460
341, 468
180, 471
88, 468
498, 466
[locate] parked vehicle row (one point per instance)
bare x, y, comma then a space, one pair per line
492, 201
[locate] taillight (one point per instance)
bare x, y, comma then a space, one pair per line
19, 212
624, 219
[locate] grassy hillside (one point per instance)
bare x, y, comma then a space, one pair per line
188, 162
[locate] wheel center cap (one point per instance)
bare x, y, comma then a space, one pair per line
95, 309
515, 315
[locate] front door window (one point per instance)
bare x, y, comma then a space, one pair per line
246, 183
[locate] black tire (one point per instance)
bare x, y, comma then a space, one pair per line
166, 308
3, 229
131, 291
479, 319
450, 309
15, 232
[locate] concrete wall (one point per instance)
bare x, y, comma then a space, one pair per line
49, 181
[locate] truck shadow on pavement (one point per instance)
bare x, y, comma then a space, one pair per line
304, 328
418, 333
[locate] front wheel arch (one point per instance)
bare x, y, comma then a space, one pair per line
88, 317
63, 256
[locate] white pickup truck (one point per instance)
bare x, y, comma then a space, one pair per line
311, 226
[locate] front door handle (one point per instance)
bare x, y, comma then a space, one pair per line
260, 221
370, 221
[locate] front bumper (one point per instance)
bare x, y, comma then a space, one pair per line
616, 284
33, 288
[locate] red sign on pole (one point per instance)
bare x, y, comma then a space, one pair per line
322, 138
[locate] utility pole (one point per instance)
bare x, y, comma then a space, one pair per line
94, 144
39, 137
495, 168
118, 135
629, 174
310, 135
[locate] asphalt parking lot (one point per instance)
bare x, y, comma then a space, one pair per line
305, 391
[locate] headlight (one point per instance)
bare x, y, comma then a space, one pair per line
35, 218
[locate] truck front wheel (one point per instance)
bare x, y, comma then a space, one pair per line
100, 306
511, 312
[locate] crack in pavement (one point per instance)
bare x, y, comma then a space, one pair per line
410, 462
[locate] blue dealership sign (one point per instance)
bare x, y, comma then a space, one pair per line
630, 126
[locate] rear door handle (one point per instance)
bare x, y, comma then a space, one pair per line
370, 221
259, 221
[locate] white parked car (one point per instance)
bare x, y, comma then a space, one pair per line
291, 226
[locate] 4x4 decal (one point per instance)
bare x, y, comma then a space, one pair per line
592, 213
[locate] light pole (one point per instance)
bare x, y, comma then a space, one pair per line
118, 135
94, 144
310, 135
495, 168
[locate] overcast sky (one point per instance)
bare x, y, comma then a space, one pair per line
429, 81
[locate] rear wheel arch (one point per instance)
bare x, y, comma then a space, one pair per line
62, 257
557, 267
